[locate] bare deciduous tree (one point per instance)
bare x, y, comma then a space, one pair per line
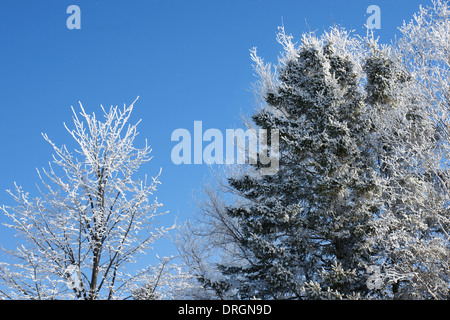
91, 219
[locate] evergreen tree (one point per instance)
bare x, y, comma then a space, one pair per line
359, 205
305, 227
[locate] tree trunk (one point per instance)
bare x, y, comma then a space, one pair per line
95, 266
395, 287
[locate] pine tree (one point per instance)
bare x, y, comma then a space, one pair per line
359, 206
305, 226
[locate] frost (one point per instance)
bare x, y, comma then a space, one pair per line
359, 207
91, 220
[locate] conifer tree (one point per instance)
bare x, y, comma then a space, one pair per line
359, 205
305, 226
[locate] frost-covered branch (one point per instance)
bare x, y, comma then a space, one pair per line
91, 219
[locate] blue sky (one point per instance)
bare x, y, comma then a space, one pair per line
187, 60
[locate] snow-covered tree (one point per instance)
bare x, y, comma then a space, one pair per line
91, 221
408, 93
360, 205
211, 238
166, 281
301, 232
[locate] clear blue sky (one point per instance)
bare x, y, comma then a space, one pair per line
187, 60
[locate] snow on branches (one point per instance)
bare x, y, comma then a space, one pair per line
92, 218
